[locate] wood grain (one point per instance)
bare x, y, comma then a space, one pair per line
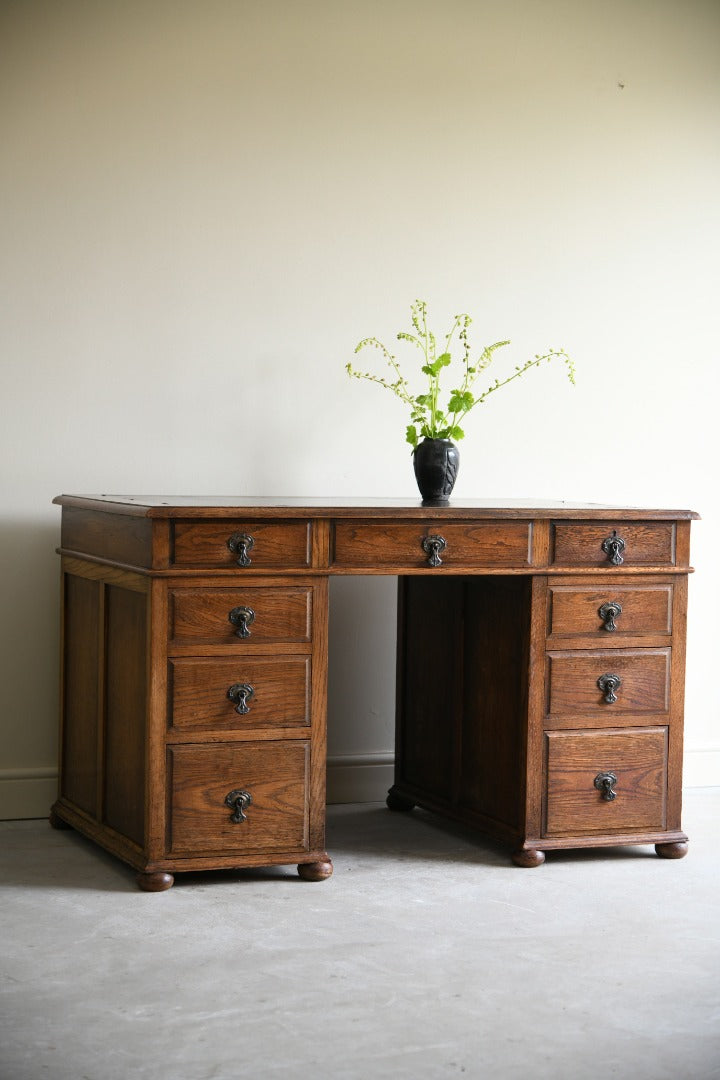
382, 545
646, 543
639, 760
81, 703
126, 709
276, 545
201, 615
573, 609
573, 682
199, 689
275, 774
126, 540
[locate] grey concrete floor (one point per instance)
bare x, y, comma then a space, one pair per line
426, 955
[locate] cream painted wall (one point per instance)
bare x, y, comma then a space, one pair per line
204, 206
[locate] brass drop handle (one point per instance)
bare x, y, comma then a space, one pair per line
241, 544
609, 613
242, 617
613, 546
609, 684
238, 801
432, 546
240, 694
605, 782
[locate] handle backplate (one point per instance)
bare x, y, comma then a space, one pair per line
609, 613
241, 544
242, 617
613, 546
238, 801
240, 694
432, 546
605, 782
609, 684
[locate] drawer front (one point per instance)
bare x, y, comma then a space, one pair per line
273, 774
639, 543
587, 682
235, 616
244, 544
608, 612
239, 694
459, 544
581, 766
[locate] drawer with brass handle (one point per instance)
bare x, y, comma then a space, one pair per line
238, 798
416, 545
605, 781
608, 681
248, 545
599, 543
230, 695
607, 613
255, 614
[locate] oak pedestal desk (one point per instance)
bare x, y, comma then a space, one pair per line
540, 670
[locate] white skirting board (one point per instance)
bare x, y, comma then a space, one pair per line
701, 768
29, 793
359, 777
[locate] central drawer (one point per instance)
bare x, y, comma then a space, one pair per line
261, 615
418, 545
239, 694
202, 778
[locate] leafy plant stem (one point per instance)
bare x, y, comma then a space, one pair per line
425, 410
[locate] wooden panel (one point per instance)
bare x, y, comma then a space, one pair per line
107, 536
125, 724
280, 698
496, 629
573, 682
202, 615
574, 609
78, 781
275, 544
275, 775
430, 683
647, 543
638, 758
467, 544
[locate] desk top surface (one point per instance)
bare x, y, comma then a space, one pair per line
218, 506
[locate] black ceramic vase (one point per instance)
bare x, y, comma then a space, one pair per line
436, 464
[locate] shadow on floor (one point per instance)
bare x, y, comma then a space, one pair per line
34, 856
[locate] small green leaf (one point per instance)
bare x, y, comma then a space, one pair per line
461, 402
456, 433
411, 435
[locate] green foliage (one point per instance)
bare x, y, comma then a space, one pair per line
429, 420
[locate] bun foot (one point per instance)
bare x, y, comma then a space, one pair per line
157, 882
395, 801
677, 850
528, 857
315, 871
56, 822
